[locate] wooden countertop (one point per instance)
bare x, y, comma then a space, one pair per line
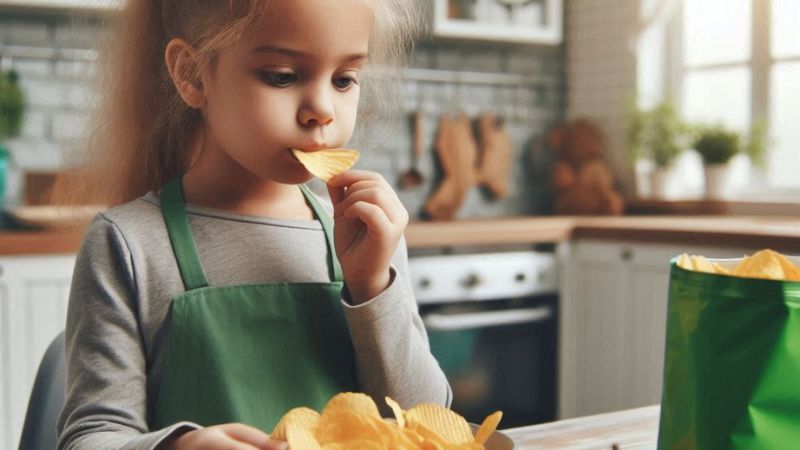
629, 429
780, 233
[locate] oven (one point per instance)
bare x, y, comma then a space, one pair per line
492, 323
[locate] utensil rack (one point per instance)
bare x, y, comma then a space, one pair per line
480, 78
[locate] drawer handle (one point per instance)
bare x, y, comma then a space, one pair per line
470, 321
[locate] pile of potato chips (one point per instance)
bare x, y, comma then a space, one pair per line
328, 163
351, 420
762, 264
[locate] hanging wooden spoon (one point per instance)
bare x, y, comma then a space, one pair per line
412, 177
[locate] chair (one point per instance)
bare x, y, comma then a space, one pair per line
47, 398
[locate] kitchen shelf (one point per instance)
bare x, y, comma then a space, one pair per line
529, 22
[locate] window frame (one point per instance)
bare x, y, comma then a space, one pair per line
760, 64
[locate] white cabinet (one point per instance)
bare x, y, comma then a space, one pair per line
613, 310
33, 308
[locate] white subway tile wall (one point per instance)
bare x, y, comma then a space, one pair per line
59, 89
600, 64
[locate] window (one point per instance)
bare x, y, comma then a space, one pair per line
728, 61
784, 160
739, 61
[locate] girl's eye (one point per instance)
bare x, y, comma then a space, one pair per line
342, 83
278, 79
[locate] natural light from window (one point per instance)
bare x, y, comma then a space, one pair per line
722, 77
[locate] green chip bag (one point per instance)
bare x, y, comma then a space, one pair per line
732, 362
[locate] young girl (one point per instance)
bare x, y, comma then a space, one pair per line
222, 294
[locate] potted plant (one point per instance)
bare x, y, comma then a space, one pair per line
756, 148
716, 146
657, 136
11, 108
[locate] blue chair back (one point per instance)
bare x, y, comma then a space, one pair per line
47, 399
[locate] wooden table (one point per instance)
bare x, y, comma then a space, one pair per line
630, 429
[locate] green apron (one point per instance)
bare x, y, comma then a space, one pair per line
249, 353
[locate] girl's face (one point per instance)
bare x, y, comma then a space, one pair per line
289, 82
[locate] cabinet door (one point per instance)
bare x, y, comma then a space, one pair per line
613, 322
33, 305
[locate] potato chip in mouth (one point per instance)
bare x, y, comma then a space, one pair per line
328, 163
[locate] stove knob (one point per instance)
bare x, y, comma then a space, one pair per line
472, 281
425, 283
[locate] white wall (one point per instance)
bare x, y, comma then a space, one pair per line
601, 66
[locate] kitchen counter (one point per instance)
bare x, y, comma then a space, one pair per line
629, 429
781, 233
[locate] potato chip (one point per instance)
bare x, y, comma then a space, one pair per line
453, 428
344, 425
790, 271
684, 262
762, 264
701, 264
767, 264
720, 269
352, 421
303, 417
354, 402
398, 412
326, 164
488, 426
300, 438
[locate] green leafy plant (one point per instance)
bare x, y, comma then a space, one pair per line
756, 146
12, 105
717, 145
658, 134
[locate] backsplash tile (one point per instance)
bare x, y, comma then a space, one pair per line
59, 90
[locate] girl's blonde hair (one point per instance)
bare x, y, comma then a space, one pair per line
141, 131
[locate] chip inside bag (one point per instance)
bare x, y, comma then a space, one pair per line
328, 163
351, 420
765, 263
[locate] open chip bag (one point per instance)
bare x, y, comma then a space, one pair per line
732, 358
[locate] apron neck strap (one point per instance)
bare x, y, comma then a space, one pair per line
173, 208
335, 269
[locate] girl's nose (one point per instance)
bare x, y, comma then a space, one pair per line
317, 109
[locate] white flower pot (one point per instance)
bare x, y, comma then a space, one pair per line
661, 182
716, 179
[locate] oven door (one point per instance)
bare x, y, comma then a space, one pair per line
498, 355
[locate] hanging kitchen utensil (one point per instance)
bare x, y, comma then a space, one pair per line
494, 164
457, 152
412, 177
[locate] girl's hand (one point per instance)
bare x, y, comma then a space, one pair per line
232, 436
369, 221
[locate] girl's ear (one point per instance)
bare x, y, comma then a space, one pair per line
182, 66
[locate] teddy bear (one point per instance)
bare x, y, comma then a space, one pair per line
582, 181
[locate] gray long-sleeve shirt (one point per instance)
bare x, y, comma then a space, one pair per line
126, 276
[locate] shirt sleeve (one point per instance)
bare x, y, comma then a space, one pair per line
106, 399
393, 356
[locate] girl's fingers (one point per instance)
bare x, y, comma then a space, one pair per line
376, 196
249, 435
351, 176
372, 215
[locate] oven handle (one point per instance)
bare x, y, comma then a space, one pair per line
469, 321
